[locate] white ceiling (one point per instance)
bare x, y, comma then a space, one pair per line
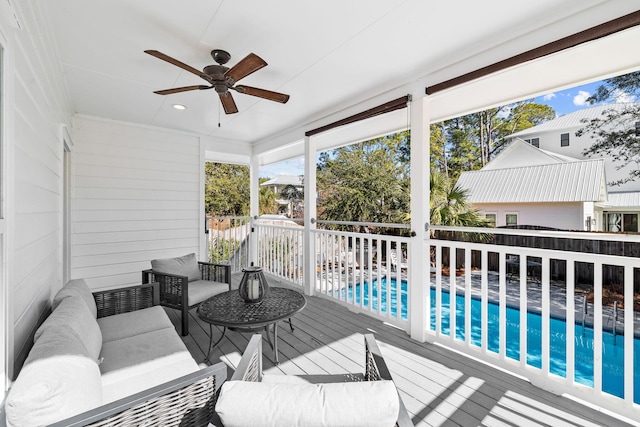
328, 55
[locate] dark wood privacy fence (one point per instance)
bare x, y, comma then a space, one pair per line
611, 274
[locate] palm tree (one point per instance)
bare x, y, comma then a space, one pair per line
449, 205
267, 201
294, 195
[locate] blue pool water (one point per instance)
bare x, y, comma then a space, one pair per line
612, 349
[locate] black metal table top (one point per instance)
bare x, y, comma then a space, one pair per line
229, 309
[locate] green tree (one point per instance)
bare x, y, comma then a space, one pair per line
294, 195
615, 131
365, 182
226, 189
267, 201
470, 142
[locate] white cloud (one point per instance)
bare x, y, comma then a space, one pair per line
549, 97
581, 98
623, 97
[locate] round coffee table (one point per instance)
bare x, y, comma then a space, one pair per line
230, 311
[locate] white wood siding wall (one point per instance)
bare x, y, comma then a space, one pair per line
136, 196
564, 216
36, 105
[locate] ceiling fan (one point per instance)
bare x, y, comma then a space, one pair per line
222, 78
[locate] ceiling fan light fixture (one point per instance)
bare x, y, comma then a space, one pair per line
222, 78
179, 106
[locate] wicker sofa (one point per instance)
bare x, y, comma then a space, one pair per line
110, 358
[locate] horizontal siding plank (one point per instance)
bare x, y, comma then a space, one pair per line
132, 205
117, 226
82, 181
158, 176
133, 236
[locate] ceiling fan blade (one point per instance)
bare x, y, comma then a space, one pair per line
177, 63
181, 89
249, 64
263, 93
228, 103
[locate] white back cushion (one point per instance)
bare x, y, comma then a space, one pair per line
76, 287
348, 404
58, 380
182, 266
72, 313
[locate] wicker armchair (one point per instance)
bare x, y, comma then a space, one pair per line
250, 369
174, 289
185, 401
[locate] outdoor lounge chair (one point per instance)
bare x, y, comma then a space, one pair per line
393, 256
279, 399
186, 282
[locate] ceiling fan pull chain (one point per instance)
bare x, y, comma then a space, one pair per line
219, 102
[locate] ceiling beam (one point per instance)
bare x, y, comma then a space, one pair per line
593, 33
387, 107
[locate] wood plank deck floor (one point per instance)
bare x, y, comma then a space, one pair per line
438, 386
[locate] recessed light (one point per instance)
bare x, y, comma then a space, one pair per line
179, 107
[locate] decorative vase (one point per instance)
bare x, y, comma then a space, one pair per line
253, 286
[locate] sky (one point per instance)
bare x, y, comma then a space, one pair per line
563, 102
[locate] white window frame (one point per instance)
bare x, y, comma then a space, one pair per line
506, 214
495, 217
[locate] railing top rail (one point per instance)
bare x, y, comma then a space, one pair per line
365, 224
363, 235
281, 227
228, 217
585, 235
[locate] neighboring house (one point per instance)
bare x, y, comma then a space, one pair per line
524, 185
280, 182
543, 179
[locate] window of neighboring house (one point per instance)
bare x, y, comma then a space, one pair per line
637, 129
533, 141
564, 140
621, 222
491, 217
511, 219
630, 223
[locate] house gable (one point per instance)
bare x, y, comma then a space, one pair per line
521, 154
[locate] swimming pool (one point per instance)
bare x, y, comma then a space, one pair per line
349, 293
612, 347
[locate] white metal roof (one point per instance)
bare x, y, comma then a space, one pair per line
620, 200
571, 120
284, 180
580, 181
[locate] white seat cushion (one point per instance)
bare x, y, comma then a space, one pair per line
133, 364
348, 404
134, 323
200, 290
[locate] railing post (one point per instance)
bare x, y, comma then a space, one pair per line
254, 209
419, 276
309, 215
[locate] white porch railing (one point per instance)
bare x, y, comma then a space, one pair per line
367, 272
280, 248
228, 240
531, 303
540, 313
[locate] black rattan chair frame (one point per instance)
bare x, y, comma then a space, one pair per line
174, 289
